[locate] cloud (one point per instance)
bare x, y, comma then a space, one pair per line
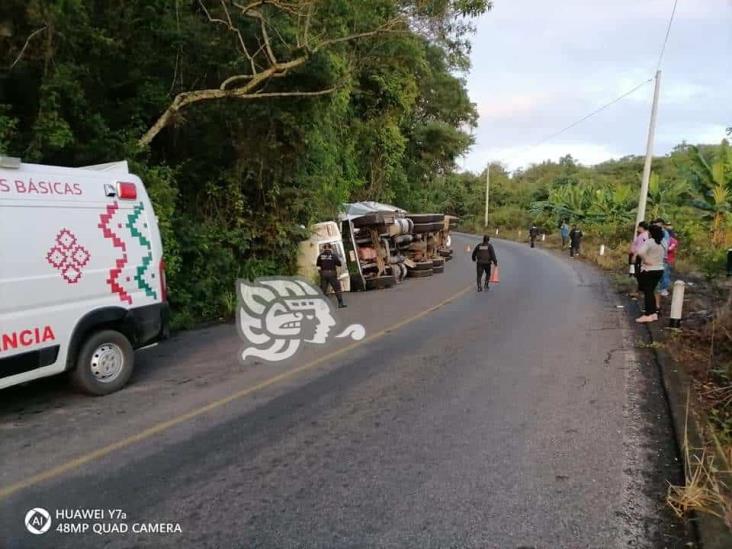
510, 106
540, 66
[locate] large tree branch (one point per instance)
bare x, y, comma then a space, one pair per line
25, 46
248, 86
384, 29
185, 99
256, 14
216, 94
289, 7
228, 23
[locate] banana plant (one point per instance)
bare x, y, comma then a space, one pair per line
714, 183
613, 205
664, 197
565, 201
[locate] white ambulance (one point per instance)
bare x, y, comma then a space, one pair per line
82, 277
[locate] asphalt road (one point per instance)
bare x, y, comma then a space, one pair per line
520, 417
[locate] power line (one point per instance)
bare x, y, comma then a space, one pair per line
599, 110
668, 32
578, 122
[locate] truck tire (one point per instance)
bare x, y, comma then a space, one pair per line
357, 284
420, 274
423, 266
426, 227
426, 218
403, 240
104, 364
380, 282
368, 219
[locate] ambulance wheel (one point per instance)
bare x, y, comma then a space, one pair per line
104, 364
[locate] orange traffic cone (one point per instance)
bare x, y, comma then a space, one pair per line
495, 275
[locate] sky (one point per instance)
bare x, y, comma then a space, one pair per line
541, 65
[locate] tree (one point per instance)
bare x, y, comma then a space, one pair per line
233, 180
276, 37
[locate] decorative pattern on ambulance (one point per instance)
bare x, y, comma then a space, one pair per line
117, 242
132, 220
68, 256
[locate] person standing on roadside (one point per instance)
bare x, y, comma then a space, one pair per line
665, 283
484, 255
533, 233
651, 254
575, 240
641, 236
673, 246
564, 233
328, 264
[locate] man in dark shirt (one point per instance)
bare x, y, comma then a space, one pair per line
575, 239
484, 255
327, 264
533, 233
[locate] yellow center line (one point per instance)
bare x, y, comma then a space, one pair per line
157, 428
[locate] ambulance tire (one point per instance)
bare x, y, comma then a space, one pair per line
108, 352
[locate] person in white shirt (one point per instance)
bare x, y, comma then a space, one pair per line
652, 255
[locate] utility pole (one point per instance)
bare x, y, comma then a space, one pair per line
649, 155
487, 191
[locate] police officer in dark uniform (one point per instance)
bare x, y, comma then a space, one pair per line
484, 255
327, 263
533, 233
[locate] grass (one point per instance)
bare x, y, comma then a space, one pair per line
707, 474
651, 345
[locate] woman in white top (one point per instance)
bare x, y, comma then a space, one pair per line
651, 254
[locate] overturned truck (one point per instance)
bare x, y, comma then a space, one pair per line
382, 245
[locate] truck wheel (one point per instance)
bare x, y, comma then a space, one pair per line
104, 364
380, 282
420, 273
426, 218
368, 219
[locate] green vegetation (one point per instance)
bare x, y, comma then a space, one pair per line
247, 120
691, 187
250, 121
